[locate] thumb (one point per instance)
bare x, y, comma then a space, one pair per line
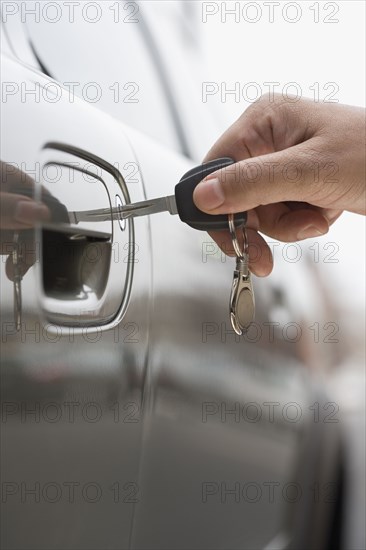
287, 175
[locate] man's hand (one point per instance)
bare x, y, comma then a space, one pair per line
20, 213
298, 166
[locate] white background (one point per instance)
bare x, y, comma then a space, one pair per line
305, 52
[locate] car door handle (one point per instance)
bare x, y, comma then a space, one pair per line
79, 283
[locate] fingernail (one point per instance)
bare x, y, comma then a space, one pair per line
332, 218
209, 194
30, 212
309, 232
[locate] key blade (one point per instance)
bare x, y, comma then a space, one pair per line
143, 208
171, 204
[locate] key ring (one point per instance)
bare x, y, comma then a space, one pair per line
242, 303
240, 254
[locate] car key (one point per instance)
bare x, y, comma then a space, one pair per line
180, 203
242, 303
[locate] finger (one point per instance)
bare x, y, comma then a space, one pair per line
272, 123
286, 175
21, 212
260, 256
331, 214
284, 223
14, 180
12, 177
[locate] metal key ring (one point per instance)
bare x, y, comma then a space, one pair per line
17, 257
239, 253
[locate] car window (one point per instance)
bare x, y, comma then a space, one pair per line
103, 58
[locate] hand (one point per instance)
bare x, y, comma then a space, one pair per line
298, 166
18, 212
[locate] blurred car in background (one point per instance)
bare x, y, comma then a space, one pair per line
132, 416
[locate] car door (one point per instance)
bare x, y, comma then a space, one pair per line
72, 373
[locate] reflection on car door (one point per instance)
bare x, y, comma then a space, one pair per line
72, 376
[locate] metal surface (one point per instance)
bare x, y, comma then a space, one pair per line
241, 252
242, 303
84, 276
16, 256
143, 208
124, 428
92, 378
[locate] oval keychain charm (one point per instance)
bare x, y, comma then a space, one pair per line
242, 303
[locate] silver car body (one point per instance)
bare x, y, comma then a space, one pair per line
132, 416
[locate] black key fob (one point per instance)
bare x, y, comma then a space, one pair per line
188, 211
